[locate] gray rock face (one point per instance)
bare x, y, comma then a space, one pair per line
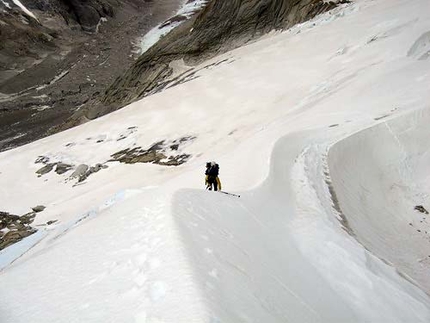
79, 171
62, 168
24, 43
51, 65
45, 169
221, 26
83, 171
89, 12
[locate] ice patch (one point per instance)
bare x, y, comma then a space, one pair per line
102, 19
26, 11
43, 107
15, 251
119, 196
6, 4
155, 34
192, 7
54, 80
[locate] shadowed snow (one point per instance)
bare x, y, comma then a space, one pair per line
380, 174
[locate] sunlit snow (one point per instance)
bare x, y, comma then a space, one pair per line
321, 129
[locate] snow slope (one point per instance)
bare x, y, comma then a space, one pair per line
322, 130
381, 212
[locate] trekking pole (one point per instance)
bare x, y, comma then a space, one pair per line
227, 193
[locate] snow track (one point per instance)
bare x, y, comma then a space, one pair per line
140, 267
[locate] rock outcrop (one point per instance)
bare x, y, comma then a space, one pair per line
14, 228
83, 171
221, 26
163, 153
38, 208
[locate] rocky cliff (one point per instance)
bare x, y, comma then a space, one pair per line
31, 30
55, 55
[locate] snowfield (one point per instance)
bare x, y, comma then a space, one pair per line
322, 130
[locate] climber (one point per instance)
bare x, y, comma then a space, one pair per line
212, 179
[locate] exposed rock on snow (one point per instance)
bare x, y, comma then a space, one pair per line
159, 153
421, 209
82, 172
14, 228
45, 169
60, 167
92, 170
38, 208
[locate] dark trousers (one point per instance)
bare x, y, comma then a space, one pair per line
212, 182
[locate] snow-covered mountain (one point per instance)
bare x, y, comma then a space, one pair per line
220, 27
321, 130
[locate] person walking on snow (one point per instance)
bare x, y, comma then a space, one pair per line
212, 179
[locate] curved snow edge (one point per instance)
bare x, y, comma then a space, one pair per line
277, 254
374, 182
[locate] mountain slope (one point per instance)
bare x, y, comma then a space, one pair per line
318, 128
51, 66
220, 27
